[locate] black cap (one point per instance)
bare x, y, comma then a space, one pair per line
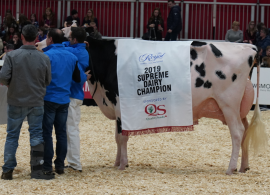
74, 12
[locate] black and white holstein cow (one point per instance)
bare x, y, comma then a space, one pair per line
220, 90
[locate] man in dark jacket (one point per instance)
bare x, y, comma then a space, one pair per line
74, 16
174, 21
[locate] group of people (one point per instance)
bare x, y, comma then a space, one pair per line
47, 88
257, 35
10, 35
155, 24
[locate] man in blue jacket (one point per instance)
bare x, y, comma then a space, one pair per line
64, 69
76, 46
174, 21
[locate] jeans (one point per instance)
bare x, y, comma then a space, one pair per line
171, 36
55, 114
16, 115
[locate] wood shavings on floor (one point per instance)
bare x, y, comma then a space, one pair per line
167, 163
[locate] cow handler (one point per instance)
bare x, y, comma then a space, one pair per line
56, 101
26, 72
76, 46
174, 21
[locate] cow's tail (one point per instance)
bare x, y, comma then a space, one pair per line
255, 136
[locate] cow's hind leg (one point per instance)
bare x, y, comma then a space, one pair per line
237, 129
244, 161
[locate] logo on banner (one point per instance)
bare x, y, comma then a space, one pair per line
152, 111
151, 57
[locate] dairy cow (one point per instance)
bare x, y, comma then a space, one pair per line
220, 90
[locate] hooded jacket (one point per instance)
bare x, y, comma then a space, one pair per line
79, 50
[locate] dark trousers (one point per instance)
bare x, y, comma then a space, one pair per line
171, 36
55, 115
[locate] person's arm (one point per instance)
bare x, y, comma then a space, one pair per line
96, 21
176, 17
6, 71
148, 24
48, 76
227, 36
240, 40
79, 22
76, 76
83, 76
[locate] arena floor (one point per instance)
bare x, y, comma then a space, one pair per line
167, 163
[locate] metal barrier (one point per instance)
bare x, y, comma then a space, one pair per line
128, 18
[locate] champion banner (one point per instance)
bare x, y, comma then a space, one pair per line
154, 86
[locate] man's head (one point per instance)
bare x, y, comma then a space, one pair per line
263, 32
29, 34
268, 51
41, 31
74, 13
16, 36
10, 47
171, 3
54, 36
77, 35
93, 24
69, 23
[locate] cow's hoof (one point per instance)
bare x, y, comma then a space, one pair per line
230, 172
244, 170
117, 164
121, 167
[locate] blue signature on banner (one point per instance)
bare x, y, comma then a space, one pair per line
151, 57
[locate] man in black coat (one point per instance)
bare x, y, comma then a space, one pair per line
74, 16
174, 21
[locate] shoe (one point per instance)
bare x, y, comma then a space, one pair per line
72, 168
47, 175
59, 171
7, 175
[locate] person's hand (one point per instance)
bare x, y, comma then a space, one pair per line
46, 25
87, 44
169, 31
15, 42
4, 42
160, 28
88, 75
245, 41
250, 41
152, 25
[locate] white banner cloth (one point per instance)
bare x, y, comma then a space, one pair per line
154, 86
264, 85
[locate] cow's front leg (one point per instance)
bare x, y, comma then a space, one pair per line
118, 142
121, 157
